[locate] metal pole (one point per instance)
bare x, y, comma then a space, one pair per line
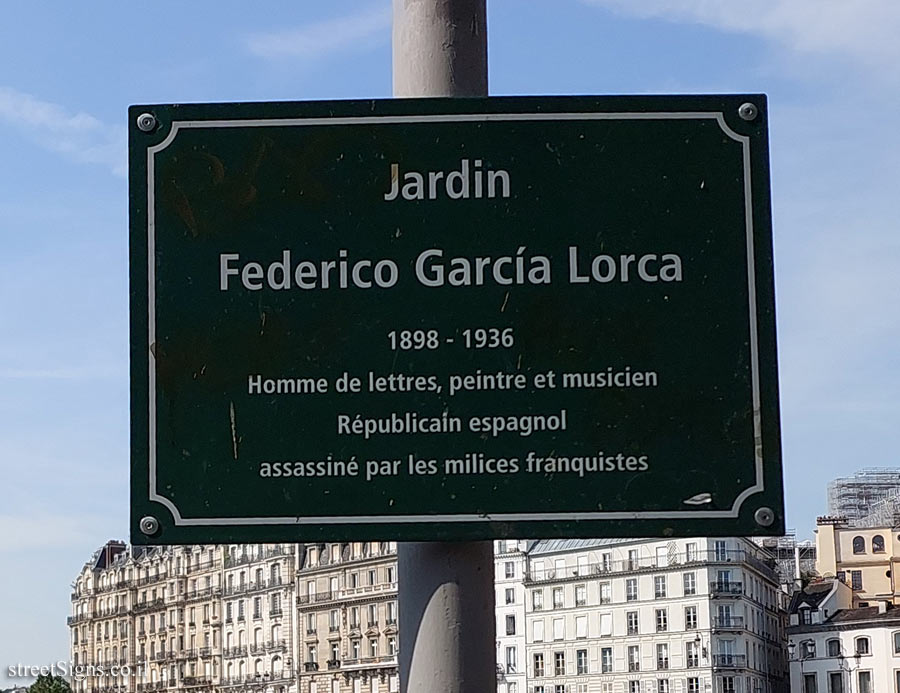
446, 589
440, 48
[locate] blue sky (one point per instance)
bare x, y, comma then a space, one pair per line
68, 72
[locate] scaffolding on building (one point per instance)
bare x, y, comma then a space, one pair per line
871, 497
785, 552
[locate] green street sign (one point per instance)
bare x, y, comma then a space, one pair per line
453, 319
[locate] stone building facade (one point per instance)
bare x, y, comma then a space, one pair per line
701, 615
268, 618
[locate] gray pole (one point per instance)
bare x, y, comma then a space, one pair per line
446, 589
440, 48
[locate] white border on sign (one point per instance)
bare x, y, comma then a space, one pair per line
719, 117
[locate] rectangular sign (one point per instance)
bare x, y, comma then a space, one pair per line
453, 319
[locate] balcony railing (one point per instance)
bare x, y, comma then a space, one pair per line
594, 569
333, 663
149, 604
196, 681
730, 661
310, 666
726, 589
316, 598
729, 623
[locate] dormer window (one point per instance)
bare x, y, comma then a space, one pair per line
878, 544
805, 615
859, 545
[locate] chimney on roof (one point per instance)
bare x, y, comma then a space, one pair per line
882, 607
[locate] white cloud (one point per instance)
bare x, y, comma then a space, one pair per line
863, 29
78, 136
321, 38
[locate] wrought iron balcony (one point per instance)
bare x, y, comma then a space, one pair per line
726, 589
730, 661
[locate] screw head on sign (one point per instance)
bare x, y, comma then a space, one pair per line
149, 525
748, 111
764, 517
146, 122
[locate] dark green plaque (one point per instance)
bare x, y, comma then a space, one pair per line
453, 319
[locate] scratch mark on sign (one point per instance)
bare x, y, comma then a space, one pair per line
505, 299
234, 436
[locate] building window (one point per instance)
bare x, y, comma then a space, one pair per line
581, 627
631, 590
864, 679
862, 646
580, 595
559, 663
557, 597
808, 649
690, 551
510, 624
721, 550
835, 682
634, 658
878, 544
728, 684
690, 618
537, 600
662, 686
581, 662
833, 647
632, 559
509, 569
662, 656
805, 615
634, 687
897, 647
659, 587
606, 660
693, 684
631, 623
859, 545
605, 593
511, 661
559, 629
538, 664
690, 584
662, 621
510, 595
692, 650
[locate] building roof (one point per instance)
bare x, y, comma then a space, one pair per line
865, 613
812, 595
558, 545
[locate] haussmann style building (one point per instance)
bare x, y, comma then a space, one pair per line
701, 615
